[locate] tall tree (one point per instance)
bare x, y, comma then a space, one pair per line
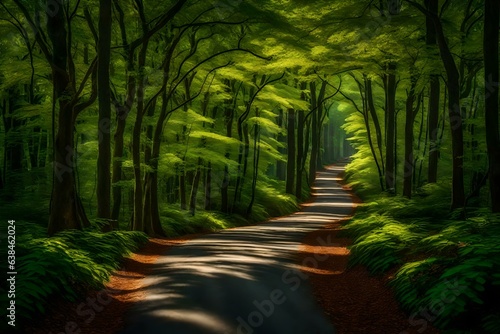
66, 209
434, 93
122, 111
317, 102
366, 95
142, 107
454, 110
291, 154
300, 149
411, 113
104, 97
280, 165
390, 97
370, 105
490, 49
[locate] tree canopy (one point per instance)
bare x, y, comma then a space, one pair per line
122, 115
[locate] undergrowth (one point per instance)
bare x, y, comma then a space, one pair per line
73, 262
269, 202
176, 222
61, 265
446, 271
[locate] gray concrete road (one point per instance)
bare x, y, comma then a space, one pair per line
243, 280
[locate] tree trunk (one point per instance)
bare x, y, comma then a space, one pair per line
364, 94
241, 178
319, 135
243, 153
331, 145
104, 96
300, 153
417, 177
208, 187
326, 143
372, 148
433, 127
490, 49
246, 139
306, 149
66, 211
390, 162
317, 107
122, 112
138, 223
458, 192
314, 145
256, 155
280, 165
454, 110
150, 181
194, 189
155, 210
224, 190
182, 189
290, 165
409, 138
376, 123
225, 181
151, 212
146, 203
117, 165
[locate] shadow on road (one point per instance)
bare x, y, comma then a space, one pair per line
242, 280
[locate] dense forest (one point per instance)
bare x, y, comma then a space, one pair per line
129, 119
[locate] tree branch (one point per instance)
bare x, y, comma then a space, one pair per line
90, 72
163, 21
199, 24
90, 22
352, 102
39, 36
93, 95
244, 115
201, 89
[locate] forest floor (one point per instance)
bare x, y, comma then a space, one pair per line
245, 266
354, 300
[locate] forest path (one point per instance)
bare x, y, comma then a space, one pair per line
243, 280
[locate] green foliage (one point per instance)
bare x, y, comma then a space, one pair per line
306, 41
63, 265
447, 267
273, 200
176, 222
379, 249
464, 277
270, 202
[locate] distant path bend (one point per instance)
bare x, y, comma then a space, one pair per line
243, 280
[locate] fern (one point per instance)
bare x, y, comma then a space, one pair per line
70, 260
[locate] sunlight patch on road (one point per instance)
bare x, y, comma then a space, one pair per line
327, 188
331, 195
329, 204
329, 179
206, 322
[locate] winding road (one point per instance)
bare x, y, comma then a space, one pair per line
243, 280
